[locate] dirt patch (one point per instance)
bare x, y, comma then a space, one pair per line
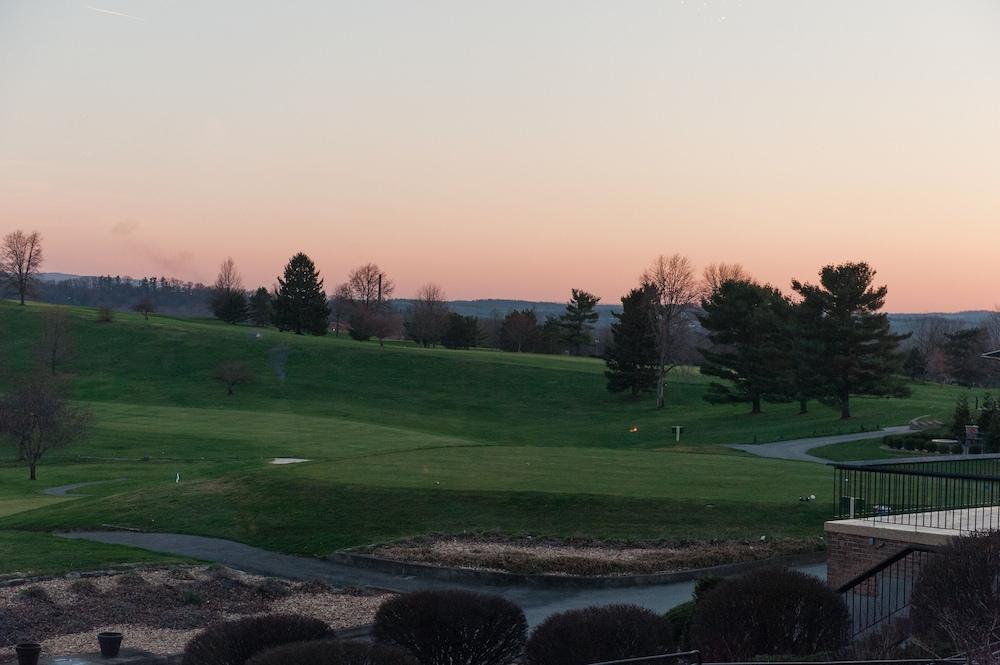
160, 610
584, 557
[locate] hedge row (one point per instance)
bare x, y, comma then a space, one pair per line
767, 613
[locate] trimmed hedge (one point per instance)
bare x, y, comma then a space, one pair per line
452, 627
234, 642
769, 613
333, 652
595, 634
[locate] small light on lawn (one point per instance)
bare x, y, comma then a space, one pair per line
633, 428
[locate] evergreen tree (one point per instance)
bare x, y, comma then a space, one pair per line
462, 332
860, 351
578, 321
261, 309
749, 348
805, 381
229, 306
962, 417
300, 304
632, 355
520, 331
915, 365
229, 300
550, 336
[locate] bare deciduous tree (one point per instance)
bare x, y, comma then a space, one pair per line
428, 316
145, 307
233, 373
340, 307
678, 291
716, 274
20, 260
36, 418
368, 285
55, 343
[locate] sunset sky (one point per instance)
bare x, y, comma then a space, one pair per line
508, 149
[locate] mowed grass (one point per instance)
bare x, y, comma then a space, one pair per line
403, 441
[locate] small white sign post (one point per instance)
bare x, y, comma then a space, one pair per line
677, 432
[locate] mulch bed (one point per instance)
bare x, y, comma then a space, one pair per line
163, 608
527, 555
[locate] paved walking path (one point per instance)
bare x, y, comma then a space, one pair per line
63, 490
798, 449
537, 603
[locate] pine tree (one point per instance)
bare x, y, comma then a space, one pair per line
632, 355
860, 354
578, 321
749, 348
962, 417
300, 304
261, 308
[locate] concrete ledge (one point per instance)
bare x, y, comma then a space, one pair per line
473, 576
921, 536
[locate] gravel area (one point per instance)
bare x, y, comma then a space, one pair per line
583, 557
160, 610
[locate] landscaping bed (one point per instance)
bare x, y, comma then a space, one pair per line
527, 555
160, 610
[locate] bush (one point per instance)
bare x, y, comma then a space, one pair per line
452, 627
909, 443
770, 612
595, 634
679, 619
333, 652
956, 599
233, 642
930, 447
956, 449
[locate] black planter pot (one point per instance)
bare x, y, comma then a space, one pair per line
110, 644
27, 653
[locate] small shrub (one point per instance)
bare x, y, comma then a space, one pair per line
704, 585
189, 597
956, 599
931, 447
452, 627
909, 443
362, 653
956, 449
272, 588
975, 450
84, 588
596, 634
333, 652
234, 642
131, 580
679, 619
34, 592
769, 613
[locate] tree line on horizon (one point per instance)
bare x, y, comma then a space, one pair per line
761, 344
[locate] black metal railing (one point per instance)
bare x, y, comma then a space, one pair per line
884, 591
679, 658
960, 493
694, 658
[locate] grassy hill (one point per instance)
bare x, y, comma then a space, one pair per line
402, 441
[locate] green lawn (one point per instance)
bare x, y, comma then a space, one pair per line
858, 450
403, 441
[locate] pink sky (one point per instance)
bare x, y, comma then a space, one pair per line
512, 150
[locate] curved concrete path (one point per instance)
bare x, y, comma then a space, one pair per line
63, 490
537, 603
798, 449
